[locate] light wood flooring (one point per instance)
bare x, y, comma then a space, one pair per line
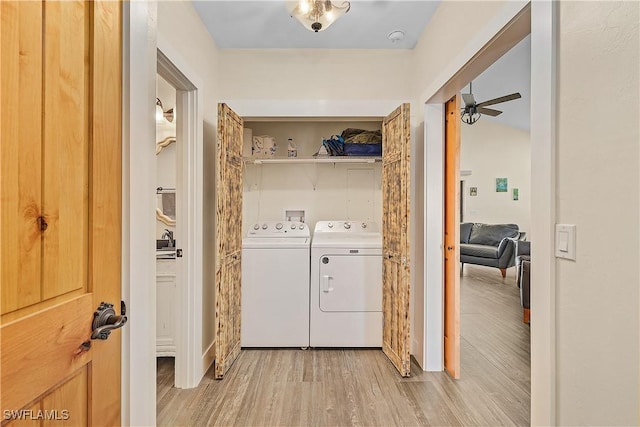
350, 387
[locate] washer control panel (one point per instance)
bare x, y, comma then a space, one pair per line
279, 229
348, 226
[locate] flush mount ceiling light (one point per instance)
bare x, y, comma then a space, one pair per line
317, 15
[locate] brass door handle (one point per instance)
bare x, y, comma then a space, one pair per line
105, 320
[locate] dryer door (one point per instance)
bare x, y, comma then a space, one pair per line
350, 283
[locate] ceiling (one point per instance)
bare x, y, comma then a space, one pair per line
511, 73
266, 24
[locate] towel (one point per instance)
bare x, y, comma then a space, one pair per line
169, 205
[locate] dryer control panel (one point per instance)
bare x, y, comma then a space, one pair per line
347, 226
279, 229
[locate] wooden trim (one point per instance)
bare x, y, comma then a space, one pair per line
452, 238
526, 315
105, 257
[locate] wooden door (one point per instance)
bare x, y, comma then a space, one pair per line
228, 238
60, 210
452, 238
396, 290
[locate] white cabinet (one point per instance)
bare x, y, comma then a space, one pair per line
165, 307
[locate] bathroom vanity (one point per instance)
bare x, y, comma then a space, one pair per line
165, 306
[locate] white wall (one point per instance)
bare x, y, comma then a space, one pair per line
315, 74
185, 40
323, 191
598, 190
444, 41
490, 150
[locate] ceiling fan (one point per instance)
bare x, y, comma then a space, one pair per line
473, 110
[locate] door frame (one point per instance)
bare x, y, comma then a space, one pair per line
497, 38
189, 227
138, 232
141, 45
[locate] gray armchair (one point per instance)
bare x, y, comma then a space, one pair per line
492, 245
523, 263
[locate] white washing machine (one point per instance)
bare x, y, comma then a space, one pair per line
346, 285
275, 285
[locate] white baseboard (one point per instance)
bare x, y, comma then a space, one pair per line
209, 356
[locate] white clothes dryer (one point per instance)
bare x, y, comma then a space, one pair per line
275, 285
346, 285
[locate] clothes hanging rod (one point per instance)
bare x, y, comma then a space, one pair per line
161, 190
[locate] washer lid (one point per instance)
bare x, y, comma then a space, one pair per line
275, 242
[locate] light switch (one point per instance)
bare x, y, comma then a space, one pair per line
566, 241
563, 241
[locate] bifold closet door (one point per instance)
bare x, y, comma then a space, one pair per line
396, 291
228, 238
60, 211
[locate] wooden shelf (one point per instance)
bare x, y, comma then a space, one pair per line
308, 160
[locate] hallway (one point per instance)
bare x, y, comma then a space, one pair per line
326, 387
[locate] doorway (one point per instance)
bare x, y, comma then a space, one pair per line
181, 227
539, 19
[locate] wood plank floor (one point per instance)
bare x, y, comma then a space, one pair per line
350, 387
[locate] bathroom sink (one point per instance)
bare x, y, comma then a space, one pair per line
166, 254
165, 245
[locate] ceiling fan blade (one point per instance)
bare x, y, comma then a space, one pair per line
468, 99
489, 111
501, 99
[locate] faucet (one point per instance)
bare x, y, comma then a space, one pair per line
168, 235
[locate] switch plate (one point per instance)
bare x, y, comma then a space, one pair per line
566, 241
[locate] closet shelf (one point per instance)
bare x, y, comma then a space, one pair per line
306, 160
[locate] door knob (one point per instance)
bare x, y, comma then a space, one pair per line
105, 320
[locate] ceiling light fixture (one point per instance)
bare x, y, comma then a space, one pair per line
317, 15
163, 115
472, 110
159, 110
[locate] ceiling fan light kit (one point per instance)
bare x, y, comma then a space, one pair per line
317, 15
472, 111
